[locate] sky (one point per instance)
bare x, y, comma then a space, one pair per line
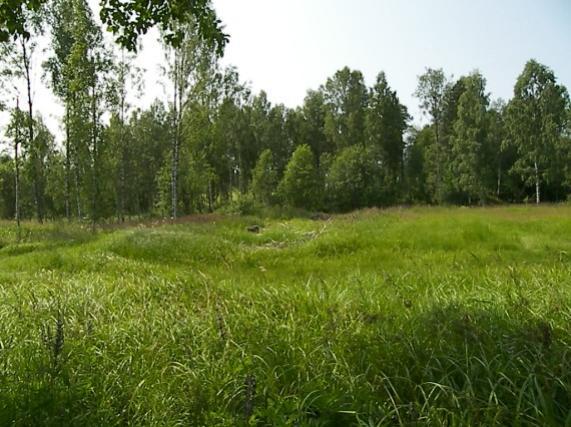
286, 47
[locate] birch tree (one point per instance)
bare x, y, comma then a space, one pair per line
469, 143
18, 57
184, 63
536, 117
126, 79
431, 92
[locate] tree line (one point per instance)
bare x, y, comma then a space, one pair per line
213, 144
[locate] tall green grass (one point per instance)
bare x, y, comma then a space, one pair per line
378, 318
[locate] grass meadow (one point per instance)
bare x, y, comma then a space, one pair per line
399, 317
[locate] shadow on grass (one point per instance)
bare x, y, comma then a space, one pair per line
457, 365
48, 238
445, 366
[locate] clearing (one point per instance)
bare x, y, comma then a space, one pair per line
399, 317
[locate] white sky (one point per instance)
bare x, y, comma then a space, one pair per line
289, 46
286, 47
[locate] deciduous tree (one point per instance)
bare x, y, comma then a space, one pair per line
536, 117
301, 185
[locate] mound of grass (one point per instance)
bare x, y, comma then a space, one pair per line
376, 318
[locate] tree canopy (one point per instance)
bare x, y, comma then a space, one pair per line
210, 143
128, 19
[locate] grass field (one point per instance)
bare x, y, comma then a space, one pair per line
400, 317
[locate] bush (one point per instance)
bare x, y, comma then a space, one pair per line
301, 186
354, 180
264, 179
244, 204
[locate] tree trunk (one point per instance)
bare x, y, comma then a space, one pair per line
439, 197
67, 167
122, 186
240, 169
123, 171
95, 149
499, 182
122, 180
537, 189
77, 190
402, 176
35, 159
209, 195
174, 177
174, 160
17, 169
76, 169
230, 181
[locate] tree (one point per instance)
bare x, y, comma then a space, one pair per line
17, 55
99, 66
507, 186
346, 100
269, 128
126, 77
85, 68
312, 132
431, 91
470, 154
54, 161
76, 68
417, 148
14, 131
264, 178
236, 136
354, 179
386, 123
7, 190
60, 18
301, 186
128, 20
566, 148
150, 132
536, 117
276, 136
185, 61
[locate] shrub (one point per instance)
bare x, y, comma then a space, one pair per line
354, 180
301, 185
264, 179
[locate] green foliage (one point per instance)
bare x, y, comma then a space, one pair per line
163, 185
242, 204
127, 20
346, 101
7, 190
208, 146
415, 163
209, 143
432, 92
232, 154
268, 126
265, 179
15, 18
536, 118
312, 124
354, 179
151, 137
301, 185
470, 156
386, 123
